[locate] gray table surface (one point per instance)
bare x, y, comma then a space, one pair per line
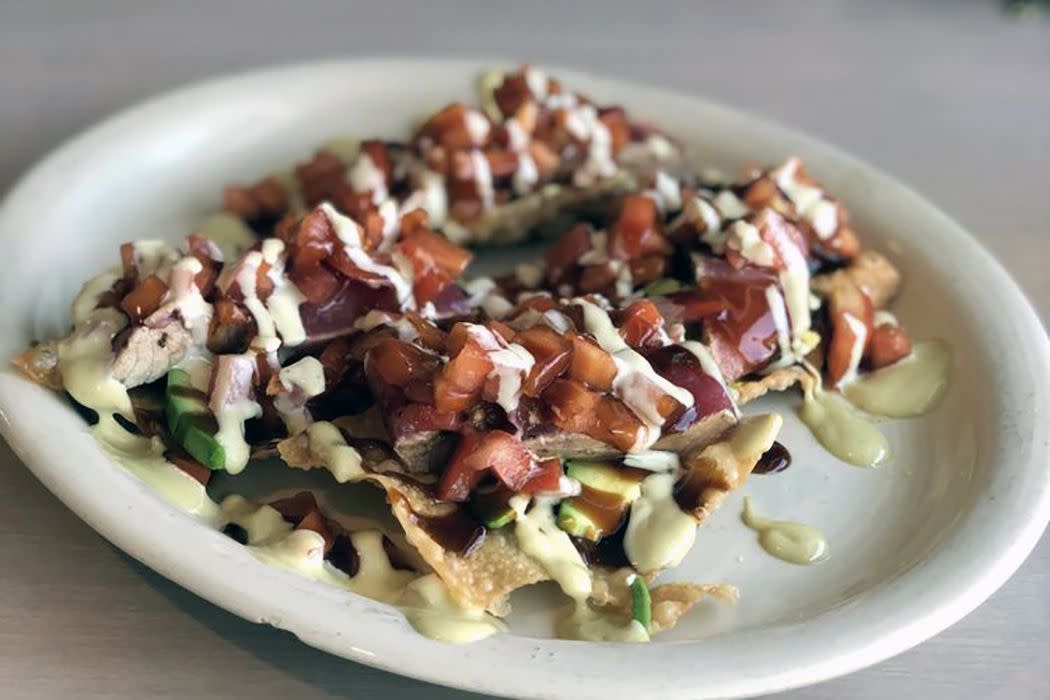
953, 97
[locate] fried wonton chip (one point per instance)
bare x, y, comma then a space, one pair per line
482, 578
40, 363
714, 471
870, 271
670, 601
777, 380
486, 575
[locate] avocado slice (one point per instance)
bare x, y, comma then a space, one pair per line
625, 482
492, 506
641, 603
181, 398
190, 422
606, 492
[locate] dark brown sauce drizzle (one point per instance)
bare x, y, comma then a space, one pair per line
455, 532
606, 510
775, 459
608, 551
343, 556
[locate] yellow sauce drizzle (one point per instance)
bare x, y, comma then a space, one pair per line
907, 388
842, 430
792, 542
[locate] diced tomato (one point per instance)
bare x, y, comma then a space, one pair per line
315, 522
888, 344
648, 268
636, 231
334, 360
398, 363
414, 418
590, 365
340, 261
322, 178
512, 93
315, 239
294, 508
264, 286
616, 424
552, 352
847, 331
566, 252
460, 383
641, 324
597, 278
505, 332
545, 477
317, 283
546, 159
689, 306
615, 120
852, 317
379, 154
127, 262
478, 453
448, 128
430, 336
145, 298
502, 163
448, 256
844, 243
573, 407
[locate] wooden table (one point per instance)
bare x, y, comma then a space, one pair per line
954, 98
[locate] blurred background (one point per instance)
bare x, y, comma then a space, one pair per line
953, 97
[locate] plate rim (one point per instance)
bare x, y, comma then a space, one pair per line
885, 643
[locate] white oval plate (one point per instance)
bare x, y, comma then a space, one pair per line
915, 545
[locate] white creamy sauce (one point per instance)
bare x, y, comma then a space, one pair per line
87, 299
540, 537
342, 460
349, 232
511, 364
483, 179
477, 126
365, 176
85, 360
708, 364
484, 293
636, 383
144, 457
856, 351
729, 205
433, 613
232, 404
809, 201
653, 460
658, 533
527, 174
585, 623
745, 239
301, 381
430, 196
